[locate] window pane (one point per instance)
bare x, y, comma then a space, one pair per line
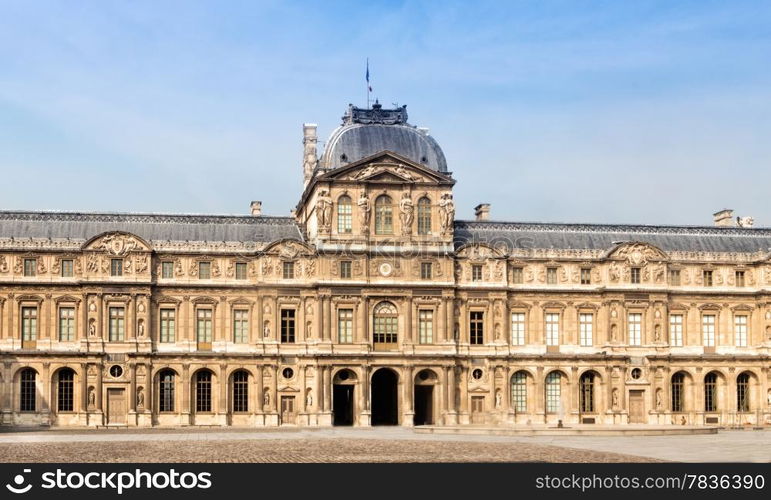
708, 329
240, 326
240, 391
66, 324
204, 325
344, 214
424, 216
635, 329
168, 319
741, 331
29, 323
425, 326
204, 270
116, 327
586, 322
518, 328
67, 268
553, 392
384, 223
240, 270
552, 329
519, 392
287, 325
676, 329
345, 326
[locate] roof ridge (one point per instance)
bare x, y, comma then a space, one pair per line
490, 224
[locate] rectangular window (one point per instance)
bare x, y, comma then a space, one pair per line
586, 276
30, 267
552, 329
204, 270
707, 278
476, 272
203, 326
708, 330
240, 326
344, 216
740, 326
29, 323
167, 270
635, 329
739, 278
426, 326
476, 327
345, 268
676, 330
66, 324
585, 325
517, 275
551, 276
288, 270
116, 267
674, 277
287, 326
634, 278
168, 326
518, 328
67, 268
345, 326
425, 270
519, 392
240, 270
117, 323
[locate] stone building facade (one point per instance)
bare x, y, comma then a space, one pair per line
372, 305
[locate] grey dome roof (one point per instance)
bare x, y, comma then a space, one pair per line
365, 132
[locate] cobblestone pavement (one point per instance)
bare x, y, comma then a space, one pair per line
395, 445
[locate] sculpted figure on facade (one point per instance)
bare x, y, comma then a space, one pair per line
407, 212
324, 210
364, 212
447, 213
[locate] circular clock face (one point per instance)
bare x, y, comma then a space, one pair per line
386, 269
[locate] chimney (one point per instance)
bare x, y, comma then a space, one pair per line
310, 158
482, 211
724, 218
256, 208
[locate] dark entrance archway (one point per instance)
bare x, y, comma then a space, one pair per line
343, 397
385, 404
424, 397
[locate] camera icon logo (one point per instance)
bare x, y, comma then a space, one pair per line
19, 480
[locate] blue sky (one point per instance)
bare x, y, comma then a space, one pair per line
577, 111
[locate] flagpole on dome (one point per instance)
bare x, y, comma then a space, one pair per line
369, 87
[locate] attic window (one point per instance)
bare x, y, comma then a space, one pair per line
344, 157
423, 159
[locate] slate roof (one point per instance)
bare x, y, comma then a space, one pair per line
151, 227
365, 132
526, 235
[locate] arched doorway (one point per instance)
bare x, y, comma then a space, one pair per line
343, 397
425, 381
385, 404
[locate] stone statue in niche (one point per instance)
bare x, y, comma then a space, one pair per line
364, 212
92, 327
91, 397
498, 398
615, 399
266, 398
266, 329
613, 331
308, 399
658, 399
407, 210
657, 332
141, 328
309, 330
140, 398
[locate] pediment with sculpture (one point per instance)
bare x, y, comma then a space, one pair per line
388, 168
289, 249
117, 243
637, 253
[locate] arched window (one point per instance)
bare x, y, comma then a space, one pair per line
519, 392
710, 392
385, 325
384, 215
344, 214
424, 216
553, 392
203, 391
743, 392
240, 391
677, 390
587, 392
64, 390
166, 391
27, 389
